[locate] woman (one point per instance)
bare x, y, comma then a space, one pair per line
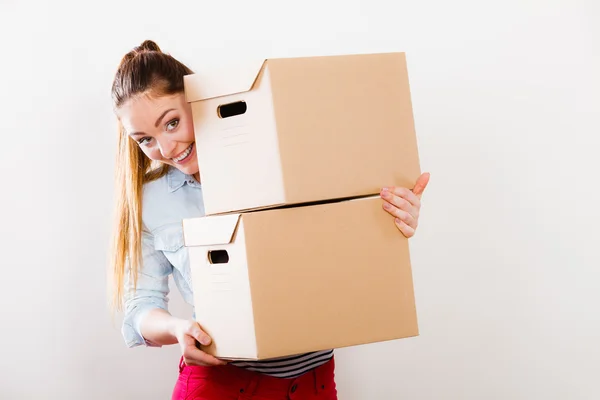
158, 185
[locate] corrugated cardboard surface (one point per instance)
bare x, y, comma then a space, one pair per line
239, 157
222, 298
316, 128
345, 125
208, 83
323, 276
328, 276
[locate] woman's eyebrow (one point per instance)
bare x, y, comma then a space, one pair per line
162, 116
155, 124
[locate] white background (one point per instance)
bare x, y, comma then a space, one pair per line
506, 260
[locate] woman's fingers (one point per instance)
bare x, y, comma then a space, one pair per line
194, 356
406, 230
403, 215
196, 332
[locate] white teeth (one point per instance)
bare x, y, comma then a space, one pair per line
184, 154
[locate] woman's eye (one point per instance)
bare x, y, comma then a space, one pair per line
172, 125
143, 140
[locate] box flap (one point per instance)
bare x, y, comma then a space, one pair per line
212, 230
222, 80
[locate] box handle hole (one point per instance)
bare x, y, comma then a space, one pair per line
232, 109
218, 257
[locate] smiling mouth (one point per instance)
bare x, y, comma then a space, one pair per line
184, 156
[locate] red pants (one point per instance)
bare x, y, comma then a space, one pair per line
233, 383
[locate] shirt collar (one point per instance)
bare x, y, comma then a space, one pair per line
176, 179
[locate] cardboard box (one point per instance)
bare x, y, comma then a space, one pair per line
285, 281
297, 130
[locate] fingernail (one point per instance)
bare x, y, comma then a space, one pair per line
205, 341
385, 189
397, 220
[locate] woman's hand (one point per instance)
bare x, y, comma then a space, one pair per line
188, 333
405, 204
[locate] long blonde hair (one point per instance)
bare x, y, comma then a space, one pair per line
143, 70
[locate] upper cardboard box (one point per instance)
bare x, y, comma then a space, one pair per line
296, 130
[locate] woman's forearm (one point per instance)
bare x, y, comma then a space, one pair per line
159, 327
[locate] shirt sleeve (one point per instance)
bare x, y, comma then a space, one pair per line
151, 291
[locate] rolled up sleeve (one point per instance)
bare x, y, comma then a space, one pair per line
151, 292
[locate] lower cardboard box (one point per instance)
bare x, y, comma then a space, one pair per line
286, 281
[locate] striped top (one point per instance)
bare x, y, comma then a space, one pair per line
287, 367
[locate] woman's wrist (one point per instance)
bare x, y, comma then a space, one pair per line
174, 326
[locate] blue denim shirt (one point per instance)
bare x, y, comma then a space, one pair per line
165, 203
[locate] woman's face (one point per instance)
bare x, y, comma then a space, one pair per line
163, 128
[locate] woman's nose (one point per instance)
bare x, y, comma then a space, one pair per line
167, 148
